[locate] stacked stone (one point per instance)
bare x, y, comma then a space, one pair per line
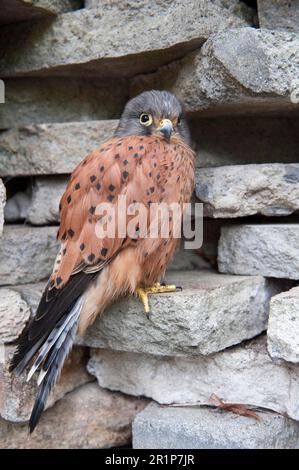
66, 83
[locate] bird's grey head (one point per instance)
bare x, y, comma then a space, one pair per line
154, 113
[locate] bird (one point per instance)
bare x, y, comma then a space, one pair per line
148, 161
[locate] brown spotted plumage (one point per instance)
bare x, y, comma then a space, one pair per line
148, 161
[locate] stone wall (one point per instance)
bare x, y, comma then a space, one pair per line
233, 331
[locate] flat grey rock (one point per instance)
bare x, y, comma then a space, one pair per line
34, 101
14, 314
241, 374
86, 418
59, 147
241, 70
283, 327
27, 254
271, 250
243, 190
84, 42
45, 149
280, 15
17, 206
188, 323
17, 397
46, 195
164, 427
212, 312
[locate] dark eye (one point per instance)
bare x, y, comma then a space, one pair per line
179, 120
145, 119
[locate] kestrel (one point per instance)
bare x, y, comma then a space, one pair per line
147, 161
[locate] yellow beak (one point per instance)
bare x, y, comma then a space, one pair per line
166, 128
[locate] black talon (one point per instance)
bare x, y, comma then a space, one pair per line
178, 288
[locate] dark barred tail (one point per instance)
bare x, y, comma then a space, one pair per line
48, 338
51, 358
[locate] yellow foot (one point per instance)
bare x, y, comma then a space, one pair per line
143, 296
157, 288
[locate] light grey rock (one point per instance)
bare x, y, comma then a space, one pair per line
53, 100
13, 11
232, 6
242, 190
241, 374
14, 314
50, 148
46, 195
84, 42
212, 312
17, 397
31, 293
279, 14
187, 323
16, 208
27, 254
59, 147
87, 418
239, 70
270, 250
17, 304
160, 427
283, 327
2, 204
243, 139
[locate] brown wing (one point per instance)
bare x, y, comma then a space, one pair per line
128, 166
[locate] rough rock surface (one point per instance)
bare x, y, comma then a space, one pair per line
27, 254
241, 374
87, 418
160, 427
84, 42
279, 14
50, 148
267, 249
211, 313
59, 147
239, 190
16, 207
14, 314
34, 100
237, 70
283, 327
46, 195
31, 293
2, 204
17, 396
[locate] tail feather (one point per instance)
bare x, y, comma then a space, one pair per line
47, 339
52, 339
27, 355
52, 310
55, 358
